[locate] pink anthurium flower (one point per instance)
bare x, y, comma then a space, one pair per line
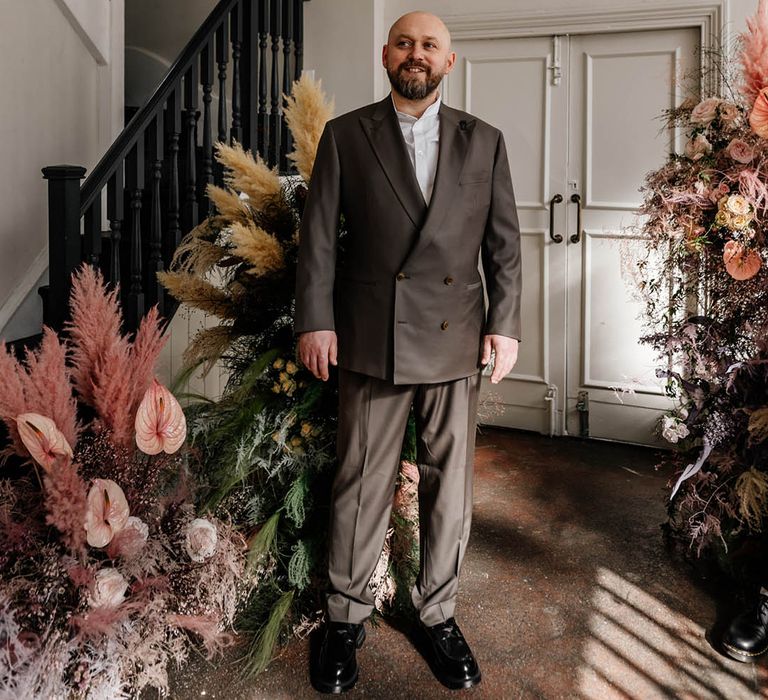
160, 422
106, 512
42, 438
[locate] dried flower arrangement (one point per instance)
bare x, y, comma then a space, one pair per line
266, 449
704, 283
106, 574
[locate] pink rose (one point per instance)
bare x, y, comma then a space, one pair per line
740, 151
108, 589
704, 112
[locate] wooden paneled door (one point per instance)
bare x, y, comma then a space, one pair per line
579, 115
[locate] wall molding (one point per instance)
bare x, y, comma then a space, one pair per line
23, 287
91, 20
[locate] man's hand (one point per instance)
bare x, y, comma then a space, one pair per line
316, 350
506, 355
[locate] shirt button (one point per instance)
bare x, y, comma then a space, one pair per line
400, 276
444, 325
421, 153
448, 280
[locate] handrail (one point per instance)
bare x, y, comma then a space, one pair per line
140, 122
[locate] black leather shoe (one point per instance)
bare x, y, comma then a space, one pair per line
449, 655
336, 669
747, 636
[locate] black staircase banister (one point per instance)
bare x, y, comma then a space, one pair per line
100, 175
154, 178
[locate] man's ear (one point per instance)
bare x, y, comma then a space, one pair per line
384, 55
451, 61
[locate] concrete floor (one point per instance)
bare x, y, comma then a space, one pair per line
567, 591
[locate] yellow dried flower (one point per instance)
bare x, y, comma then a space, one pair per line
740, 221
306, 429
291, 367
283, 376
722, 218
276, 388
296, 441
278, 363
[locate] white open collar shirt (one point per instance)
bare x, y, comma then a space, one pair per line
422, 138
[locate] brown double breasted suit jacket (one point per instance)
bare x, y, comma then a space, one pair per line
407, 304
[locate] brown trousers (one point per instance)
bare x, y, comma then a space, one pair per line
373, 415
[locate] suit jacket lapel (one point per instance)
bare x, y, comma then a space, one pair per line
455, 136
386, 138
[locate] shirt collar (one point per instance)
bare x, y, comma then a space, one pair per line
432, 110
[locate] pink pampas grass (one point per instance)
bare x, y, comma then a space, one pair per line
65, 504
110, 373
41, 385
754, 54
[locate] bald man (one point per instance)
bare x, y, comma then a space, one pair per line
425, 191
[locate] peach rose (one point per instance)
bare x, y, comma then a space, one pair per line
740, 151
697, 147
729, 113
737, 204
704, 112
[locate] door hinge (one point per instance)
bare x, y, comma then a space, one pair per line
582, 406
554, 65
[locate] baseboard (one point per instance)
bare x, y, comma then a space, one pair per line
24, 286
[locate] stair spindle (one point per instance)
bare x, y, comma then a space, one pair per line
285, 135
155, 262
298, 38
263, 119
115, 215
92, 233
190, 210
206, 78
274, 115
173, 129
133, 301
236, 25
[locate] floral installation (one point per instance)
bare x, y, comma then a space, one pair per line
703, 281
108, 578
266, 449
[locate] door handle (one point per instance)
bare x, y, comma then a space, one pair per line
556, 237
576, 237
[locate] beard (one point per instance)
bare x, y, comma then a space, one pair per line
410, 85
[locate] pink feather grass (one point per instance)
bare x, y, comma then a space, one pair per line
65, 503
110, 373
754, 53
40, 385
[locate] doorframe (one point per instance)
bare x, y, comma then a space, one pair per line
707, 17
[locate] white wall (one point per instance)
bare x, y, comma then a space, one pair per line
349, 61
62, 102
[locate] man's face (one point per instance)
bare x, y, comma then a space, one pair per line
417, 56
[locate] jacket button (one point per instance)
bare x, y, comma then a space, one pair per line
400, 276
448, 280
444, 325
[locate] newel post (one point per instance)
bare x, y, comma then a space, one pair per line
64, 240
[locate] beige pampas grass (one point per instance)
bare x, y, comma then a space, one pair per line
190, 289
208, 345
228, 203
257, 247
758, 426
251, 177
306, 113
752, 491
